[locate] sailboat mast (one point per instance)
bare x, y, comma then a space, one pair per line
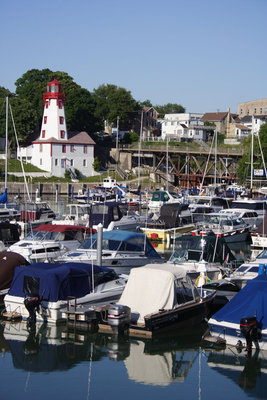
215, 163
139, 147
252, 151
167, 164
6, 141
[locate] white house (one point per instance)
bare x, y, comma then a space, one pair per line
254, 122
183, 126
56, 151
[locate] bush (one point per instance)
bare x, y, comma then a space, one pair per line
97, 164
78, 173
67, 174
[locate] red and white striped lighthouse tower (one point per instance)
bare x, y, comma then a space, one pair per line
54, 122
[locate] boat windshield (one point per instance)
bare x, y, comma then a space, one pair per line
224, 220
247, 268
134, 244
185, 291
182, 255
196, 249
75, 209
263, 254
175, 195
44, 235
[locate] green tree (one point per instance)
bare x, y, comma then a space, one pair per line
97, 164
25, 120
170, 108
79, 104
145, 103
134, 137
111, 102
5, 92
31, 87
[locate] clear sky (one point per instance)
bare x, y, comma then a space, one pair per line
206, 55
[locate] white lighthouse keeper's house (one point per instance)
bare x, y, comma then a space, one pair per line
56, 151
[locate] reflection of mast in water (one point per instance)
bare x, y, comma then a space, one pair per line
90, 370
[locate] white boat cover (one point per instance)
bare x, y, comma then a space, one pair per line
149, 289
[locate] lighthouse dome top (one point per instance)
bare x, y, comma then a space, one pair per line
54, 90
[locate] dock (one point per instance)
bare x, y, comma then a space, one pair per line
94, 318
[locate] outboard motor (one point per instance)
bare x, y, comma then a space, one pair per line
32, 300
32, 305
249, 329
119, 318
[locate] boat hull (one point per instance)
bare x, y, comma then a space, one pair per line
231, 335
52, 311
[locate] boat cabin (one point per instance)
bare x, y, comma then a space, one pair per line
33, 211
197, 248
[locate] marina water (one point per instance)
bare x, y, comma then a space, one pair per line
57, 362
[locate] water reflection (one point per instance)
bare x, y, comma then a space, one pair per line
46, 348
248, 371
161, 361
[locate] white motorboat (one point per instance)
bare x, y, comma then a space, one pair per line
160, 197
77, 214
204, 259
230, 227
231, 284
249, 217
43, 290
259, 236
110, 214
48, 241
33, 214
260, 206
120, 250
155, 298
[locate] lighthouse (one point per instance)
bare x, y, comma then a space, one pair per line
57, 151
54, 121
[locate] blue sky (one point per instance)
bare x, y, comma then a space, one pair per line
206, 55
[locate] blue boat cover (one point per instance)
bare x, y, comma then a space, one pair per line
3, 197
134, 241
57, 281
250, 301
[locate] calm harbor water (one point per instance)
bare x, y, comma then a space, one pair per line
52, 362
49, 363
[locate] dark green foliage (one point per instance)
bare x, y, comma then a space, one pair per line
111, 102
67, 174
134, 137
78, 173
169, 108
97, 164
